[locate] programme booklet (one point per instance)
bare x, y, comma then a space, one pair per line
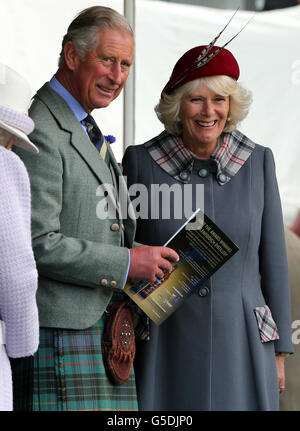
202, 252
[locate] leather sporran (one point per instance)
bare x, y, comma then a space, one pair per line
118, 343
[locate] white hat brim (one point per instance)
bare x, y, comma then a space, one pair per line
22, 139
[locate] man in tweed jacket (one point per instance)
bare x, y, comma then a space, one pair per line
82, 259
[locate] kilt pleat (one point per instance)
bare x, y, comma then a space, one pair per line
68, 374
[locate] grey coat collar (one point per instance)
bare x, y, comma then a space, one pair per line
173, 157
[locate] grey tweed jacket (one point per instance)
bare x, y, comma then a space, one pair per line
81, 259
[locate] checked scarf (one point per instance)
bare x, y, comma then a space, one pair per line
169, 152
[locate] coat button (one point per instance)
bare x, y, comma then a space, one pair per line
203, 173
203, 291
184, 175
104, 282
115, 227
222, 178
113, 283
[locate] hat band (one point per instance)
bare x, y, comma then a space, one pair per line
16, 119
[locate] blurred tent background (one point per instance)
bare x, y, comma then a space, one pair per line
257, 5
267, 50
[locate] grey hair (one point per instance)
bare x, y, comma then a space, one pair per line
240, 98
84, 29
5, 136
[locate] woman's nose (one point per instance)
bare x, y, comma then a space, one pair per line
207, 108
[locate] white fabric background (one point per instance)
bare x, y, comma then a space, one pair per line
267, 50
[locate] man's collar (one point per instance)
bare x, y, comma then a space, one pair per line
73, 104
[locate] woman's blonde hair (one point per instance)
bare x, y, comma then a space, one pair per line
240, 98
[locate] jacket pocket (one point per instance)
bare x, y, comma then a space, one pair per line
267, 327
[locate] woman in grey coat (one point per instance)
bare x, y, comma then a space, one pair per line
224, 348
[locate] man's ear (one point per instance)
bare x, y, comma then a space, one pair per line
71, 56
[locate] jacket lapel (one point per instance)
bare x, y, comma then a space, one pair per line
90, 154
78, 138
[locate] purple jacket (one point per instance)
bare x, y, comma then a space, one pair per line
18, 274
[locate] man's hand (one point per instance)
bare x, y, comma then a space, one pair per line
147, 263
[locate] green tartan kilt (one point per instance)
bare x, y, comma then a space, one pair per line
67, 374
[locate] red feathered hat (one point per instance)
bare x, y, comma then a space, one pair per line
201, 61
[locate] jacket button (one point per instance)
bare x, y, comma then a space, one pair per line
115, 227
222, 178
104, 282
184, 175
203, 173
113, 283
203, 291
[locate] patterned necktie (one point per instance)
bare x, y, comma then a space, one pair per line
97, 138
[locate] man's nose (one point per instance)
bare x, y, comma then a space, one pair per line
116, 74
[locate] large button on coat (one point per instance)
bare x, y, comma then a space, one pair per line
203, 291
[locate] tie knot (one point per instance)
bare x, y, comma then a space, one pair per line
93, 130
89, 119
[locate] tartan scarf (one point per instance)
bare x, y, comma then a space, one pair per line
169, 152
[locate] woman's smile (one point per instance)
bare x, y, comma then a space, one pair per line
207, 124
203, 115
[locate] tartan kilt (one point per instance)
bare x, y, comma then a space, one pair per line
67, 374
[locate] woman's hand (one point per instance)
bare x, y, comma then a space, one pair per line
280, 357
